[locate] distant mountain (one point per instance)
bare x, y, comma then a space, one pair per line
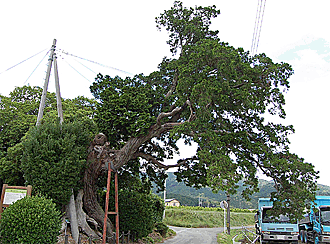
190, 196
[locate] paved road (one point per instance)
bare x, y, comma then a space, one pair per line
194, 235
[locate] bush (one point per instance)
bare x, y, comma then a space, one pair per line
161, 228
139, 212
54, 158
30, 220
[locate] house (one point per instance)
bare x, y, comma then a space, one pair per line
172, 202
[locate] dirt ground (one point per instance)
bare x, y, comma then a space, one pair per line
85, 240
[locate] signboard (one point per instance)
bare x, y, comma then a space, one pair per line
223, 204
11, 194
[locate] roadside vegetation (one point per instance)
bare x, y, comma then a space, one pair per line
199, 217
225, 238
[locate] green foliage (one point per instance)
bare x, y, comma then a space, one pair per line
187, 26
18, 113
200, 218
10, 166
216, 96
30, 220
235, 234
197, 208
54, 158
161, 228
189, 196
139, 212
127, 107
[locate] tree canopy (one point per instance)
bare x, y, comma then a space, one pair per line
211, 94
18, 113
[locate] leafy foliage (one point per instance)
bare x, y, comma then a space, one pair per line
10, 166
139, 212
216, 96
18, 113
30, 220
54, 158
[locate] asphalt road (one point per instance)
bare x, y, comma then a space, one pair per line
194, 235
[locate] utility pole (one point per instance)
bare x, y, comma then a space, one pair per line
228, 213
52, 58
58, 93
164, 199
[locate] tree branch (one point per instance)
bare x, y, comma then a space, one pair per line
172, 113
172, 89
156, 162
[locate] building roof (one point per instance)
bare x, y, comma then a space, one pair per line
170, 200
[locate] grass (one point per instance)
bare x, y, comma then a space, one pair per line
200, 218
225, 238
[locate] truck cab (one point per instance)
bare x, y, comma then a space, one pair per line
272, 229
315, 226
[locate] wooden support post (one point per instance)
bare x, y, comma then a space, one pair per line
44, 91
58, 93
106, 212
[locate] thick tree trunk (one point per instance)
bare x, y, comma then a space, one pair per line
96, 160
82, 218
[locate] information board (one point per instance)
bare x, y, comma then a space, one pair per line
11, 194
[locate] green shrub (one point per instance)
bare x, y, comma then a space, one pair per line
139, 212
54, 158
161, 228
30, 220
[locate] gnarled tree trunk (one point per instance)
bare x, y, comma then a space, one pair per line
97, 158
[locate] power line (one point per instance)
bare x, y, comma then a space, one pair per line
23, 61
106, 66
76, 70
257, 26
36, 67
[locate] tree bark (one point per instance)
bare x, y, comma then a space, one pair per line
82, 218
71, 209
97, 158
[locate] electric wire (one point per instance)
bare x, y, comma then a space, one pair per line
36, 67
76, 70
85, 66
262, 17
257, 26
23, 61
106, 66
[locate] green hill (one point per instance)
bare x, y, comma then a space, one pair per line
190, 196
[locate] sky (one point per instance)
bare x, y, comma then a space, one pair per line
123, 38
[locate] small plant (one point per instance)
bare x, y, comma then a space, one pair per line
30, 220
161, 228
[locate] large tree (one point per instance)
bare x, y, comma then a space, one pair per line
208, 93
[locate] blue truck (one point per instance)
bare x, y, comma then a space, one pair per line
315, 226
274, 230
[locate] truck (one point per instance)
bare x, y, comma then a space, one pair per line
315, 226
274, 229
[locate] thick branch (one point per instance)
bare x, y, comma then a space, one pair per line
156, 162
172, 89
174, 113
